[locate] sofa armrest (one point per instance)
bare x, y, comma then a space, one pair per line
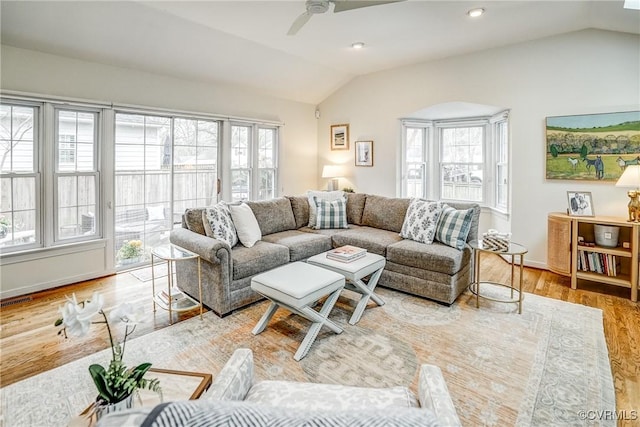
235, 379
208, 248
434, 395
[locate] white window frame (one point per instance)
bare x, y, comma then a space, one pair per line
36, 174
253, 167
437, 145
57, 174
432, 186
425, 166
497, 122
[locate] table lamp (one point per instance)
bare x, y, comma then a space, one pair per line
331, 171
630, 178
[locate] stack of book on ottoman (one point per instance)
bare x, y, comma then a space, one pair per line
346, 253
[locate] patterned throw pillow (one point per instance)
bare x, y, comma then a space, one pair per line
218, 224
331, 214
421, 220
453, 226
324, 195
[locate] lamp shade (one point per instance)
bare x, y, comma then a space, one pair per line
331, 171
630, 177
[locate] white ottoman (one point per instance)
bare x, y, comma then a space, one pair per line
354, 271
297, 286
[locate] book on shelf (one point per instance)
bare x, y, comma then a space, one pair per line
596, 262
346, 253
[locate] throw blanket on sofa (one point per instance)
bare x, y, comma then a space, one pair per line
242, 414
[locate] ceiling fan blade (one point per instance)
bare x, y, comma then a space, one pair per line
299, 23
342, 5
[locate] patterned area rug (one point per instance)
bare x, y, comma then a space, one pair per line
540, 368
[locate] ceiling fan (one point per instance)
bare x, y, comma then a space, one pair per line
315, 7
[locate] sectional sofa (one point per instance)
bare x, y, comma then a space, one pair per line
435, 271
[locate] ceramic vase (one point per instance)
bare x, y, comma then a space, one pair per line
108, 408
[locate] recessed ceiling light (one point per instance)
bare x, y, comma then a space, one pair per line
357, 45
474, 13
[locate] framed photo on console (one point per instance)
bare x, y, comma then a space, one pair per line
364, 153
340, 137
580, 203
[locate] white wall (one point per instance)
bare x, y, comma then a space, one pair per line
584, 72
36, 72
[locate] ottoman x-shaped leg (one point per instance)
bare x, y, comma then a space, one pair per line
366, 289
318, 318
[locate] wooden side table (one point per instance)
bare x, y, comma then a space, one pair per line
512, 250
171, 254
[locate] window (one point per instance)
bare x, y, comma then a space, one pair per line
267, 163
502, 164
76, 174
415, 161
163, 165
471, 160
240, 162
253, 162
19, 177
195, 163
461, 163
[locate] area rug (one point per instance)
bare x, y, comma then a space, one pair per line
144, 274
541, 368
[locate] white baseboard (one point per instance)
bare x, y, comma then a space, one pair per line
53, 284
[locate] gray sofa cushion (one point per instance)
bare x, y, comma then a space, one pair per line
301, 245
192, 220
372, 239
355, 207
435, 257
273, 215
385, 213
259, 258
300, 208
329, 231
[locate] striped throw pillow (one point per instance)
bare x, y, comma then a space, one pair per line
331, 213
453, 226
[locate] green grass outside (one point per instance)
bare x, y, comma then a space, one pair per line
560, 168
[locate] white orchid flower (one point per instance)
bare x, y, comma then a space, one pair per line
91, 307
74, 326
128, 313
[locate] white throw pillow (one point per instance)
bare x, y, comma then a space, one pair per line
155, 213
320, 195
246, 224
421, 220
218, 224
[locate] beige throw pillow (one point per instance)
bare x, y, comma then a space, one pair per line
246, 224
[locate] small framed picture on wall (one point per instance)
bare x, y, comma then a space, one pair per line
340, 137
364, 153
580, 203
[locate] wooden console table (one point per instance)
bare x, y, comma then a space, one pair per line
617, 266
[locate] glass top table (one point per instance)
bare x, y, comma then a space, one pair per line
171, 254
507, 248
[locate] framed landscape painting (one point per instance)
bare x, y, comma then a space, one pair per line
340, 137
592, 147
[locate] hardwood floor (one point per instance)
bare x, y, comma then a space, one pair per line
29, 343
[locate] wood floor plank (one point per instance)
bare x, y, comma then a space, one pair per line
29, 344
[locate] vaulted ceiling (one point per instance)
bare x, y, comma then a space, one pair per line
245, 43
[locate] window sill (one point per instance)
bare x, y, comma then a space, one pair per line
52, 251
